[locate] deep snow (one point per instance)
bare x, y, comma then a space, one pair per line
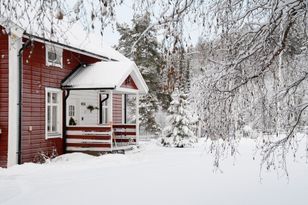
153, 175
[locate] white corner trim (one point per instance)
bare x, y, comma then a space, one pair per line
17, 31
15, 44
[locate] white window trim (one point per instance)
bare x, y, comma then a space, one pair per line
60, 114
58, 50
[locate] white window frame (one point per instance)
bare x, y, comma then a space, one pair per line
58, 51
58, 133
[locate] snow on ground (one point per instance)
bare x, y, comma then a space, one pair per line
153, 175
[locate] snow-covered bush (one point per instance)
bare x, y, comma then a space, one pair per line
178, 133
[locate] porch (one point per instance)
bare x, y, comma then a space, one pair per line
97, 116
104, 138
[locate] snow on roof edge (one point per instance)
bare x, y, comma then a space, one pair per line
98, 51
115, 74
8, 24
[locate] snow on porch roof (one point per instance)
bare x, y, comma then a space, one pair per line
105, 75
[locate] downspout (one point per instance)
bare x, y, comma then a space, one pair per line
20, 52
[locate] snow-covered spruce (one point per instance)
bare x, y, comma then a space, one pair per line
178, 133
146, 52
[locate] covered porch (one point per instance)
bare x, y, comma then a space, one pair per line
97, 117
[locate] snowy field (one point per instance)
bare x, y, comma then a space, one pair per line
153, 175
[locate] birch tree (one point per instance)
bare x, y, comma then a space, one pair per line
255, 73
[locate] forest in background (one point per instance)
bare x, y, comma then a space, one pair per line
246, 76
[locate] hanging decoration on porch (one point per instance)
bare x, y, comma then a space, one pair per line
91, 108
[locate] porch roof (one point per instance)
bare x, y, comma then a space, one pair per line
105, 75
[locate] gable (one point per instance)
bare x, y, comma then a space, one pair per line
107, 75
129, 83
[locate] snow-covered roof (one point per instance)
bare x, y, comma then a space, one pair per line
109, 74
75, 39
105, 75
87, 46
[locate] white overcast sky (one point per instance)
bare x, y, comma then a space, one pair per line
124, 14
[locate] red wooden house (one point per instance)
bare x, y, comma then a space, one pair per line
57, 98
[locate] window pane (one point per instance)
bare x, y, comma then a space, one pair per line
105, 115
48, 97
58, 60
48, 118
71, 111
54, 118
54, 97
52, 56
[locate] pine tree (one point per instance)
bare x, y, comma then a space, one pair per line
147, 55
179, 133
148, 108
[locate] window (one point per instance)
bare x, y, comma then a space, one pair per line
71, 111
54, 56
53, 112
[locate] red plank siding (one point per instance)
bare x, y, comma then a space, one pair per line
117, 108
124, 126
37, 76
125, 140
3, 98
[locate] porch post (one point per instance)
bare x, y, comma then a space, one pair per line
66, 94
137, 118
110, 117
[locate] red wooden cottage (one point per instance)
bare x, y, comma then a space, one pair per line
57, 98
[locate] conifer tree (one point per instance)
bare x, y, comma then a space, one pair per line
147, 55
179, 133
